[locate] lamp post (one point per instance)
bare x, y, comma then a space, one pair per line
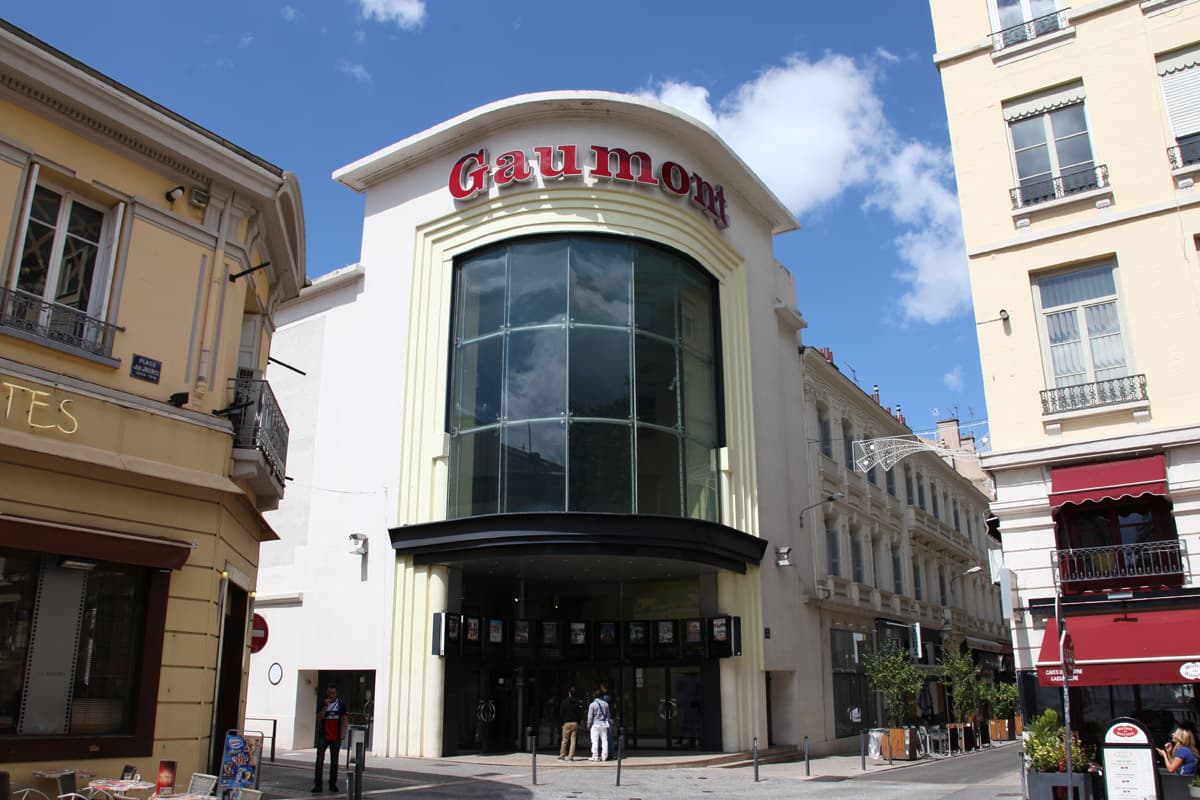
831, 498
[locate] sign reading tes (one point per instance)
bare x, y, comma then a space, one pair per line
32, 406
470, 174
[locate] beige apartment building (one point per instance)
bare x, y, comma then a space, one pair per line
1074, 133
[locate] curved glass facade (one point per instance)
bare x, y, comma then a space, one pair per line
583, 378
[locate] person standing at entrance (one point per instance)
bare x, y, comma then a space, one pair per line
569, 713
612, 710
598, 720
331, 718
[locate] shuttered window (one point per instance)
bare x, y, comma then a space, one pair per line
1180, 75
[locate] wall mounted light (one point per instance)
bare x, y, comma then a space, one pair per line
783, 556
66, 562
1003, 315
174, 194
179, 399
358, 544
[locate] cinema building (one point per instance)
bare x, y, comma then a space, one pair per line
556, 415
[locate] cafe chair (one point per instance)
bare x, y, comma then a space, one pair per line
128, 772
28, 793
201, 783
939, 740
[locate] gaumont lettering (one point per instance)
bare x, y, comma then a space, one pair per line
36, 408
471, 174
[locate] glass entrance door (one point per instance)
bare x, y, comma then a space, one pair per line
664, 709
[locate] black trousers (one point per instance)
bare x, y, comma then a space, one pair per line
333, 761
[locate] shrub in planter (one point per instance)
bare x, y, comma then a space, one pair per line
958, 676
891, 671
1046, 746
1002, 697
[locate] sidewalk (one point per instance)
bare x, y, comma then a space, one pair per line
833, 767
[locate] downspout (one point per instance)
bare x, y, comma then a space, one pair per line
211, 306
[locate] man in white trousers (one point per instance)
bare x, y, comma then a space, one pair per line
599, 718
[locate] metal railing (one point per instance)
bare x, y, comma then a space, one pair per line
274, 725
258, 422
1055, 187
1031, 29
57, 323
1114, 391
1184, 154
1119, 563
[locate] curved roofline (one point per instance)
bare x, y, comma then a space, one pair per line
465, 129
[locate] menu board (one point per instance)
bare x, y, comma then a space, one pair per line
239, 763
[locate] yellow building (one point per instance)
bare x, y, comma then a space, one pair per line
142, 259
1074, 134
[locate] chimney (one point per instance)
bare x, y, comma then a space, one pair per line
875, 393
899, 416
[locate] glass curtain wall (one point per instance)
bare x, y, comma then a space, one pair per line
584, 378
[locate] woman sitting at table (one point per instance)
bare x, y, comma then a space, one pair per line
1179, 754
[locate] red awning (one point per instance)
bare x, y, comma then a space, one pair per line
1121, 649
1108, 480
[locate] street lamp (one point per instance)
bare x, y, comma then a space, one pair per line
829, 499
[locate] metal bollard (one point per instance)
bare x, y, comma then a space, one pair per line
532, 751
862, 748
807, 765
756, 759
359, 766
620, 750
350, 786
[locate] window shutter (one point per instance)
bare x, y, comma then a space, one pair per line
1040, 103
1181, 89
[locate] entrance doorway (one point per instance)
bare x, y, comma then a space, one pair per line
665, 710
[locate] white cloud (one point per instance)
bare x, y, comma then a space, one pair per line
289, 13
886, 55
954, 379
408, 14
360, 37
356, 71
246, 40
816, 130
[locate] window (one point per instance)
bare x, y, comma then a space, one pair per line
1052, 150
1081, 326
942, 586
897, 572
847, 444
82, 641
832, 551
933, 496
889, 477
920, 491
585, 378
1179, 75
908, 485
1021, 20
857, 562
59, 282
957, 521
825, 426
918, 586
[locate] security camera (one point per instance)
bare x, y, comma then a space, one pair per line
358, 544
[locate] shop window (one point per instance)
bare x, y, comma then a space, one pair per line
585, 378
852, 700
74, 634
59, 284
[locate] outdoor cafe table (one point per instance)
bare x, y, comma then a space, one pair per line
119, 786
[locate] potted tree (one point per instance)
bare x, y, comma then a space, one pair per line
1046, 759
1194, 789
1002, 698
958, 676
892, 672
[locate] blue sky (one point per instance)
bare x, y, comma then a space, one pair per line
838, 106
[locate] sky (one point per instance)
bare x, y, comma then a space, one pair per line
837, 106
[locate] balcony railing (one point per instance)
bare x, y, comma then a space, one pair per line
1141, 564
1184, 154
259, 424
1032, 29
1056, 187
56, 323
1111, 392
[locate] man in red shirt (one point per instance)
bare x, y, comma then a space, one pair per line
331, 718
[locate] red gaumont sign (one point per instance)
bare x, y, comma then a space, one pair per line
470, 174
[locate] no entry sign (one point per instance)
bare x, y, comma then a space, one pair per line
258, 633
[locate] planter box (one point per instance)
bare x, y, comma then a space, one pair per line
897, 744
1053, 785
1020, 725
999, 730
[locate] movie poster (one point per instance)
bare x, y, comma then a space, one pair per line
165, 784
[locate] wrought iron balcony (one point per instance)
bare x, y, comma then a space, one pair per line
1056, 187
1031, 29
1184, 154
258, 424
1122, 565
1114, 391
56, 323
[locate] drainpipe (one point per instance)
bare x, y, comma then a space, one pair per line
212, 298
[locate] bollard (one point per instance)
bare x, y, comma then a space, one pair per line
1021, 755
350, 786
532, 752
756, 759
807, 765
862, 748
620, 750
359, 766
